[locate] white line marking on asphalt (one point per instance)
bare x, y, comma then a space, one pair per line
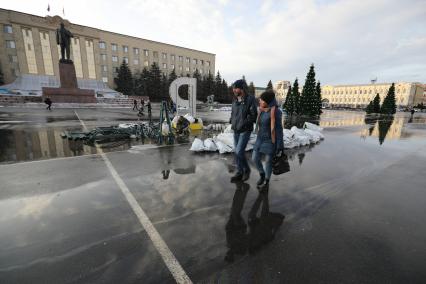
14, 121
169, 259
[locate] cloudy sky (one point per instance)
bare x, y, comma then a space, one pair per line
349, 41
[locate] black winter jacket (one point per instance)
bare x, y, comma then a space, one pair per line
244, 114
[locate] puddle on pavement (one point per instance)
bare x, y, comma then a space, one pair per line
26, 142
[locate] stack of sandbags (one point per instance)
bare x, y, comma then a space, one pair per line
295, 137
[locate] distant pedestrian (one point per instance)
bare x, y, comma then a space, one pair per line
135, 104
148, 105
48, 101
243, 116
412, 112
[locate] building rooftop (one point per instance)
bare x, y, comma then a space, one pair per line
378, 84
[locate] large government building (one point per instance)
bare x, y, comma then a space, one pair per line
29, 54
358, 96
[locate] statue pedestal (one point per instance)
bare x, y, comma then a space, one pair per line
67, 74
69, 91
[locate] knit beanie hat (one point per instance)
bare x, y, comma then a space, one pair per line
239, 84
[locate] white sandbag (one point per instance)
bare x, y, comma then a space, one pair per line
316, 134
197, 145
290, 144
289, 139
175, 120
228, 129
288, 134
165, 130
223, 148
209, 145
312, 126
226, 138
189, 118
126, 125
301, 136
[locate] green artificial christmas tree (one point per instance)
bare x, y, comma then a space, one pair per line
389, 104
124, 80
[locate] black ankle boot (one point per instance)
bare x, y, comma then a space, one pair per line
237, 177
265, 186
261, 180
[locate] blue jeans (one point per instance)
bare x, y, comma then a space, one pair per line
256, 157
240, 144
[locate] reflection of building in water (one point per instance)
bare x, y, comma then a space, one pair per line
351, 121
393, 132
358, 96
41, 144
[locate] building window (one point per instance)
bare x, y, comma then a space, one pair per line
104, 68
7, 29
103, 57
164, 55
125, 48
165, 65
181, 58
172, 66
187, 69
135, 61
146, 52
155, 54
13, 58
114, 58
113, 47
202, 62
136, 51
188, 60
172, 57
201, 71
105, 79
180, 68
102, 45
10, 44
126, 60
146, 63
208, 63
194, 61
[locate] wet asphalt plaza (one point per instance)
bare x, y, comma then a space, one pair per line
354, 206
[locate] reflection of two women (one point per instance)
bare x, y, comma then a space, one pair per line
261, 226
